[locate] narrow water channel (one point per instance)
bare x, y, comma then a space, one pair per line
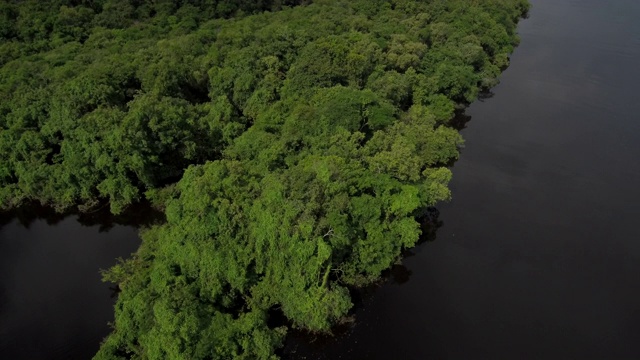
538, 256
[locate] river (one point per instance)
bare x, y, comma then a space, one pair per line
538, 255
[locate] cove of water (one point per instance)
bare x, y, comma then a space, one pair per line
53, 304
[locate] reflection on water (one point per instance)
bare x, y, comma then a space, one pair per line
53, 304
540, 254
135, 215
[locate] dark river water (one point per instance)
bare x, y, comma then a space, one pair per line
538, 255
53, 304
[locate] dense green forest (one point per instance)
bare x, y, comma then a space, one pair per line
292, 145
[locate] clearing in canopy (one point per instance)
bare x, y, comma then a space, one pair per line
292, 145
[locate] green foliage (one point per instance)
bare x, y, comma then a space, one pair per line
291, 147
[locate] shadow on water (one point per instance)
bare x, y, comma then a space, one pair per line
461, 118
485, 95
136, 215
459, 122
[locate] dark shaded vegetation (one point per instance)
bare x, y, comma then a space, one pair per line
306, 139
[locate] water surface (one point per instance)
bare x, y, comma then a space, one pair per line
53, 304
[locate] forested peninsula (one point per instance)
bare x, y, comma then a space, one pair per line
291, 143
